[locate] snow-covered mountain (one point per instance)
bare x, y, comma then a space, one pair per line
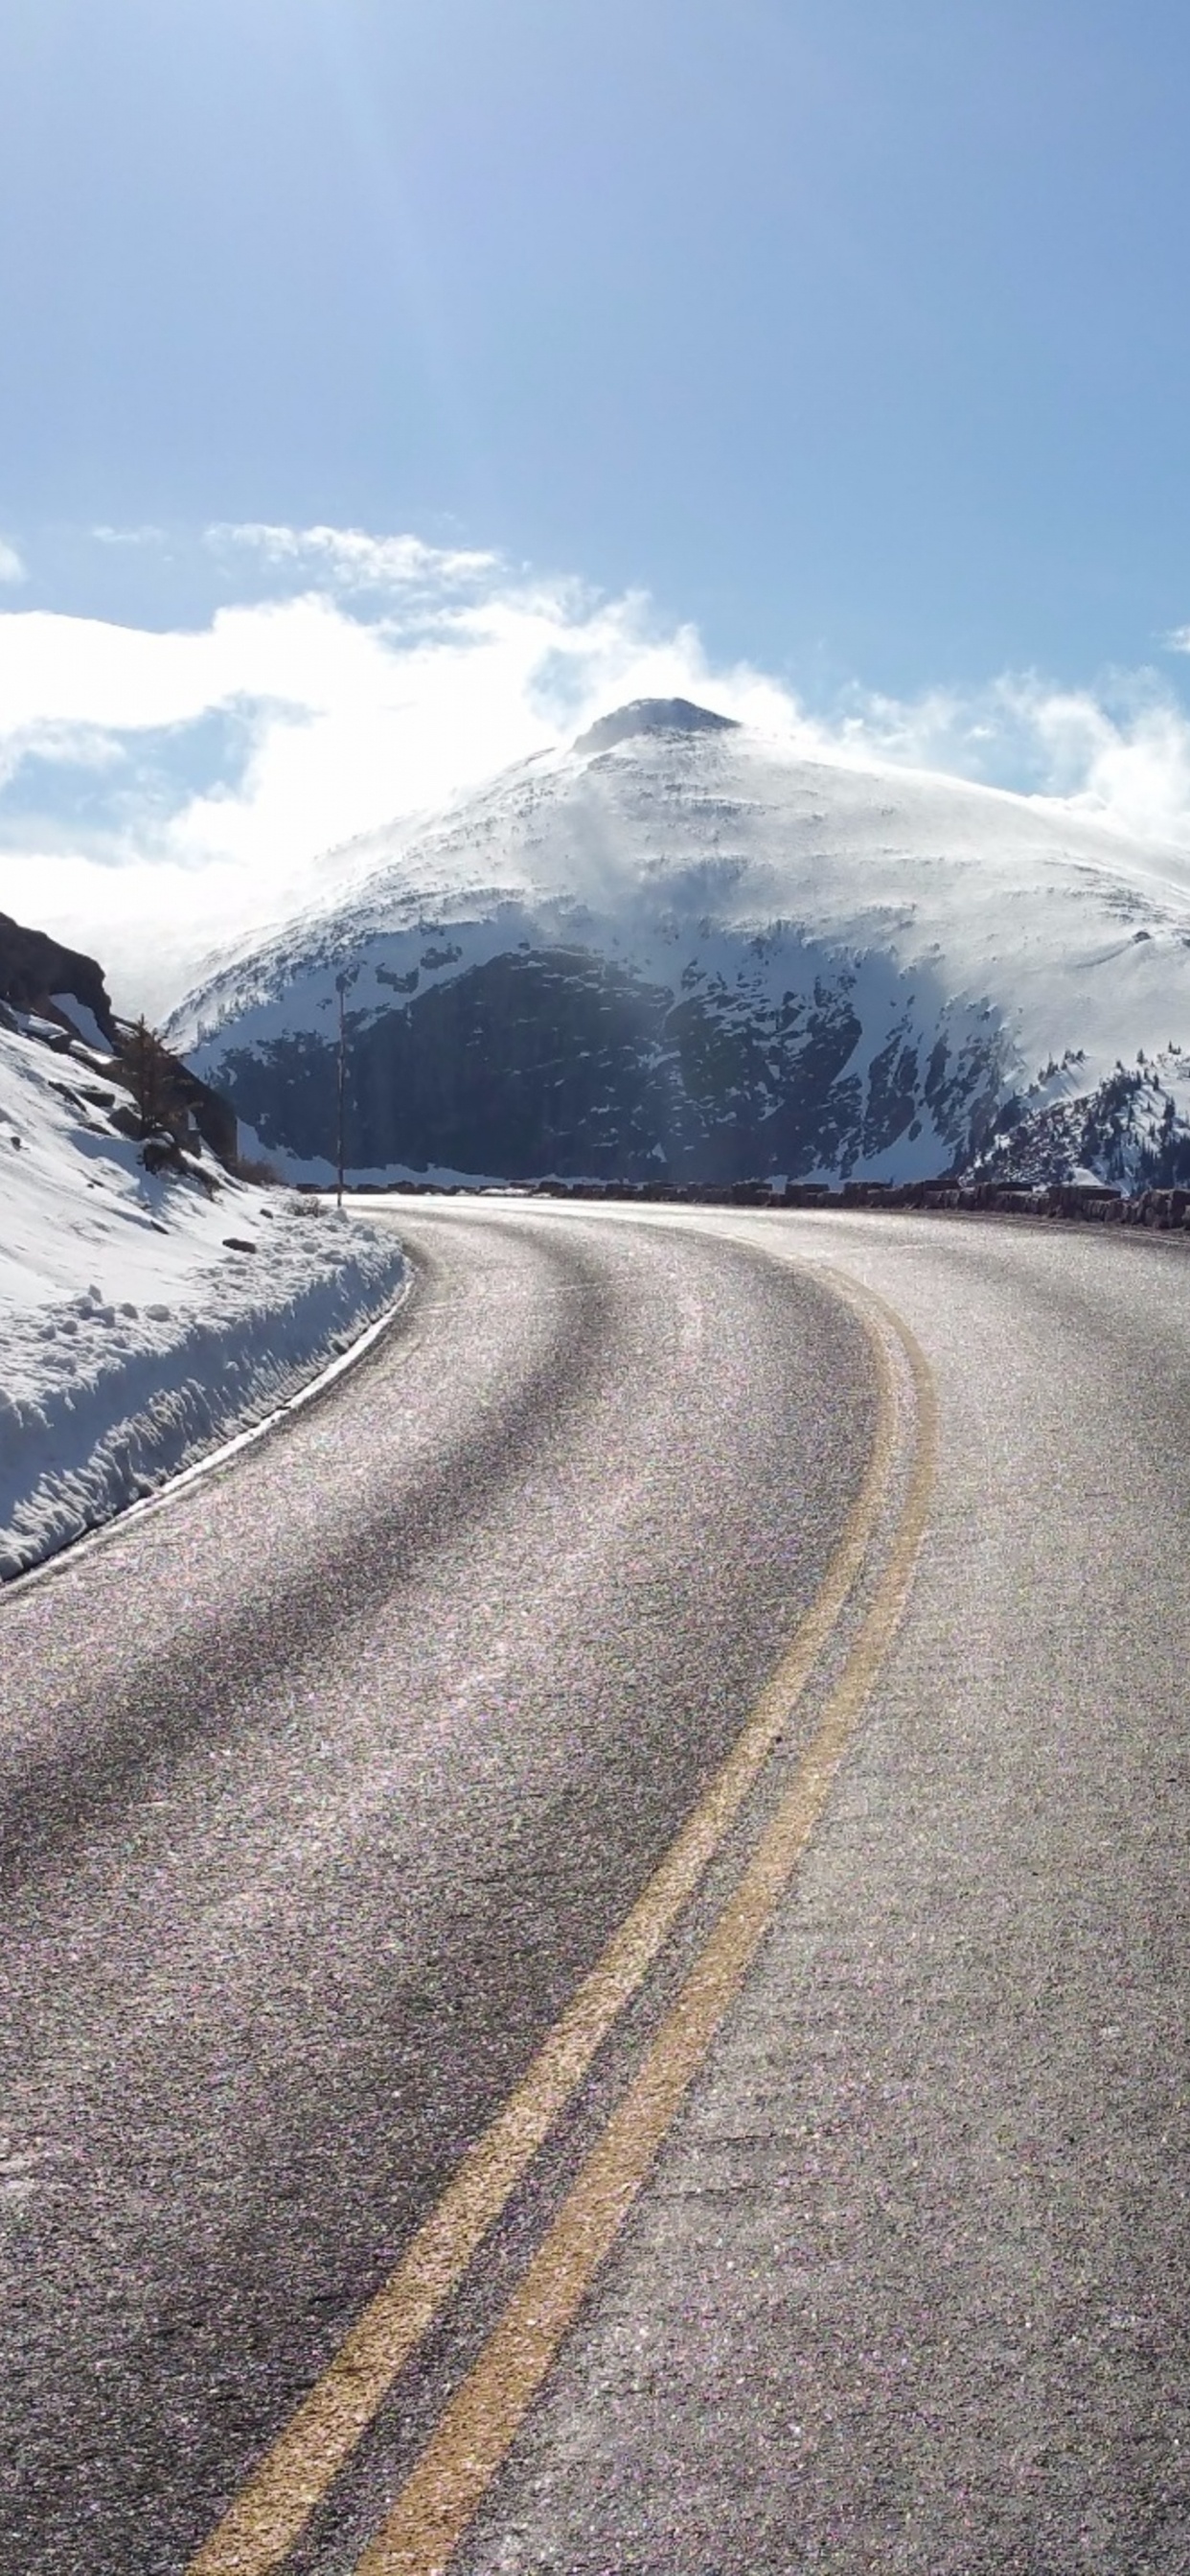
682, 950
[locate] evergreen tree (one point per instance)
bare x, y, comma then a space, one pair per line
154, 1090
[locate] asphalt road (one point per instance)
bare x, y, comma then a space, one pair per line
324, 1787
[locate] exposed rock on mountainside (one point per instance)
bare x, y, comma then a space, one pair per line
38, 974
680, 950
556, 1058
652, 715
61, 990
1132, 1129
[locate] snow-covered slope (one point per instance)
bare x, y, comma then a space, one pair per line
681, 948
143, 1319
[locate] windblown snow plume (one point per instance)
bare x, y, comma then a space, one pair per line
682, 950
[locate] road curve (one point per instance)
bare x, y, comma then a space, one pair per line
322, 1789
325, 1787
908, 2289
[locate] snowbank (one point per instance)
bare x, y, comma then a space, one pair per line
145, 1319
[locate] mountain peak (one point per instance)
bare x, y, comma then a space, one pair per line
653, 715
700, 959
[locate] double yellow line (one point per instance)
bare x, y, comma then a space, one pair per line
473, 2435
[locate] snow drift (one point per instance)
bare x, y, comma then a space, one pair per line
144, 1319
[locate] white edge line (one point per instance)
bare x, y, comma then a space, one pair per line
213, 1458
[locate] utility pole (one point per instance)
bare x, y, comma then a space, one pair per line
341, 984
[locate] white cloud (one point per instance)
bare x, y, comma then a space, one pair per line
11, 566
147, 536
1122, 755
349, 557
345, 720
349, 724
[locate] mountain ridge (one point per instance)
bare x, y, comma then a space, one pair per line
688, 949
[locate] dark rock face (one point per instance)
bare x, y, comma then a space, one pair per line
1127, 1129
564, 1061
33, 967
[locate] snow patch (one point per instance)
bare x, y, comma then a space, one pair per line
83, 1020
134, 1337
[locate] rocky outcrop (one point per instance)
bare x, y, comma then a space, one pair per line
35, 970
652, 715
41, 978
1132, 1130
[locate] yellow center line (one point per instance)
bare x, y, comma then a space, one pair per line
272, 2509
474, 2434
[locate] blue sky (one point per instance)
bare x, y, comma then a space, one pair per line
844, 339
